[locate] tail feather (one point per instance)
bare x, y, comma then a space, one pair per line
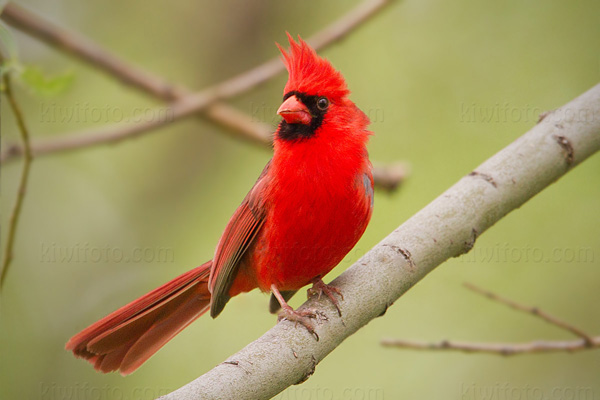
163, 331
125, 339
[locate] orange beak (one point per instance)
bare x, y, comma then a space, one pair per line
294, 111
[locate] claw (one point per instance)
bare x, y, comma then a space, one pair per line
302, 317
319, 288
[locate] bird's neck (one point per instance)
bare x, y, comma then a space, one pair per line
332, 158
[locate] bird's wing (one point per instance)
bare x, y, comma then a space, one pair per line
237, 238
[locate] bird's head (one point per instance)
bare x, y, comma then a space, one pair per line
315, 95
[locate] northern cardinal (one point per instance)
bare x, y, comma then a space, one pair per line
306, 211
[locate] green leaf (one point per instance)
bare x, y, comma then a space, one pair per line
35, 79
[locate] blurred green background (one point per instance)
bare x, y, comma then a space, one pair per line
447, 84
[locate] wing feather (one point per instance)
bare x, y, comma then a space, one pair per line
239, 234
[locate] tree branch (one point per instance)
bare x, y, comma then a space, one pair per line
535, 311
90, 52
239, 123
504, 349
507, 349
16, 212
447, 227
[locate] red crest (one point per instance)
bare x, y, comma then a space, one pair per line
309, 73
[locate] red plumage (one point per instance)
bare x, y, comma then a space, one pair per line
308, 208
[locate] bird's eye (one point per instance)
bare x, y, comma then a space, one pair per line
322, 103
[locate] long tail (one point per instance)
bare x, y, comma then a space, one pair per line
128, 337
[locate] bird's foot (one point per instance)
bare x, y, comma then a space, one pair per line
302, 317
319, 288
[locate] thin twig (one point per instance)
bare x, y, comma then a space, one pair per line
16, 212
535, 311
507, 349
504, 349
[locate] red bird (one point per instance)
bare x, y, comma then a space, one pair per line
306, 211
